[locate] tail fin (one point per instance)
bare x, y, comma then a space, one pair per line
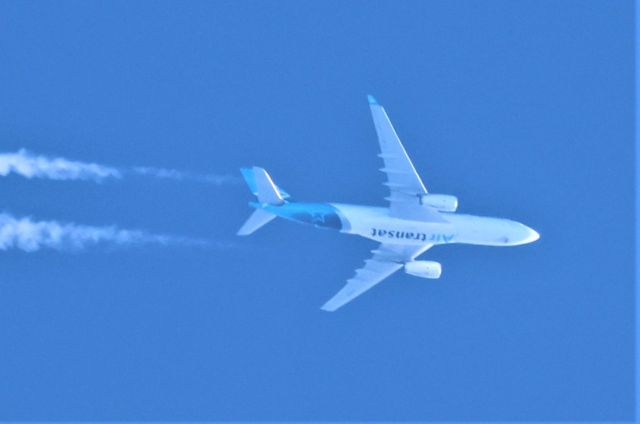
261, 185
257, 219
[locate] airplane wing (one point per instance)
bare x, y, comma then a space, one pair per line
402, 179
387, 259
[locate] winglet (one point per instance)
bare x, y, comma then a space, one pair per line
372, 100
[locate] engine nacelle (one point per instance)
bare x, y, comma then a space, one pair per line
423, 269
441, 202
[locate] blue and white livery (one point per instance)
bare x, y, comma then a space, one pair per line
414, 221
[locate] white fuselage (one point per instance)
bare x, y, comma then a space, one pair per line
375, 223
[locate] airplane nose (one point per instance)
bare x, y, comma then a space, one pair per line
531, 235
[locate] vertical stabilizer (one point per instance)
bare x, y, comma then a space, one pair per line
261, 184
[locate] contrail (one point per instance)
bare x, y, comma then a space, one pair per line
29, 165
30, 236
172, 174
32, 166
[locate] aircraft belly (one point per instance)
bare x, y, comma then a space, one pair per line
375, 224
396, 233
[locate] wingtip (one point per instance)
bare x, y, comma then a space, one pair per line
372, 100
328, 307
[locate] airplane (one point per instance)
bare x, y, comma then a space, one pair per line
414, 221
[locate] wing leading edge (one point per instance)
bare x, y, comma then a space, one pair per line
387, 259
403, 181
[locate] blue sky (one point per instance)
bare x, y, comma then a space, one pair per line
521, 109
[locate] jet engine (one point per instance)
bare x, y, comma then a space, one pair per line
423, 269
441, 202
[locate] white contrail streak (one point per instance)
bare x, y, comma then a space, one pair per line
172, 174
30, 236
29, 165
34, 166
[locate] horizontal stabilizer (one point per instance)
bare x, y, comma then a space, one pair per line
257, 219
